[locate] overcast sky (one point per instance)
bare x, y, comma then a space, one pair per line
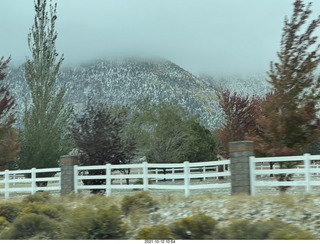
218, 37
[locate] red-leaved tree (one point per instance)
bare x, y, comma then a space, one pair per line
289, 120
240, 119
9, 146
99, 135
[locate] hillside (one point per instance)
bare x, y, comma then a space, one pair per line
124, 81
247, 85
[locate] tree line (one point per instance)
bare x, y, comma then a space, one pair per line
283, 122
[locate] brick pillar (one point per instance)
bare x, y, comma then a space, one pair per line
239, 152
67, 175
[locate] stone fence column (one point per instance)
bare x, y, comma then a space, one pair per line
67, 174
239, 152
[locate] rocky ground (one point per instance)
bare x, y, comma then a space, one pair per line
301, 210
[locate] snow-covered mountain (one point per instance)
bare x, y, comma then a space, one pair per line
248, 85
126, 80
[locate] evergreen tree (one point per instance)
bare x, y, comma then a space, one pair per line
45, 119
203, 144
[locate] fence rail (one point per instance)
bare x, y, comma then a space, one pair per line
183, 172
305, 169
10, 183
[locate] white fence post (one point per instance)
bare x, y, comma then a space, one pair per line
172, 180
33, 181
6, 183
307, 172
186, 179
145, 176
75, 178
252, 165
157, 175
108, 180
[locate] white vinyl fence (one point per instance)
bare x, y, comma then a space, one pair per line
167, 176
152, 173
14, 181
307, 172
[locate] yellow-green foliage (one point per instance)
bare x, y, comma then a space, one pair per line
197, 227
84, 223
3, 223
52, 211
141, 201
98, 201
38, 197
156, 232
290, 232
201, 227
31, 226
270, 229
239, 230
10, 210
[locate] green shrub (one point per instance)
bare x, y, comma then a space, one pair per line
141, 201
3, 223
10, 210
270, 229
197, 227
86, 223
98, 201
156, 232
51, 211
31, 226
37, 197
240, 230
290, 232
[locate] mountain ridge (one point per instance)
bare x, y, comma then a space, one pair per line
124, 81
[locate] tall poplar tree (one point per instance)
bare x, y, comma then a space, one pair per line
45, 118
